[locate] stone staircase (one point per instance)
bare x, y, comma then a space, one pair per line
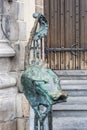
72, 115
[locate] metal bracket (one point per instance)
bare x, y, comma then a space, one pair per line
73, 50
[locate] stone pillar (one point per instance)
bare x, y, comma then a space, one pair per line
19, 66
39, 6
29, 9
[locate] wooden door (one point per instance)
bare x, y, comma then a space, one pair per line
67, 29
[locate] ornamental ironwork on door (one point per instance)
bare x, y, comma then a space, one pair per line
67, 38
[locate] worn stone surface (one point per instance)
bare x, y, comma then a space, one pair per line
77, 86
10, 9
23, 124
17, 75
39, 2
39, 9
22, 106
8, 91
15, 60
7, 108
13, 105
22, 56
64, 113
18, 62
13, 30
39, 6
5, 64
22, 31
6, 51
73, 103
20, 1
1, 33
76, 92
6, 81
20, 11
71, 72
69, 123
9, 125
14, 108
9, 21
20, 89
73, 82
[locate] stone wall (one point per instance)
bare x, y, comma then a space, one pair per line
17, 24
39, 6
14, 108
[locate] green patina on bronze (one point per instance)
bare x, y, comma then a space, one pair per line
40, 84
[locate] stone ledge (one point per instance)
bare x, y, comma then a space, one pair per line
8, 91
74, 87
6, 51
73, 82
70, 123
6, 81
71, 72
72, 104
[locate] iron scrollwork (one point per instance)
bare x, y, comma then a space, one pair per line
40, 84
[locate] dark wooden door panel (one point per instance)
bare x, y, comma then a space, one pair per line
67, 28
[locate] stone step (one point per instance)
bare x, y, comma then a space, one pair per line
73, 82
74, 107
71, 73
72, 104
7, 81
74, 86
70, 123
6, 50
70, 113
73, 77
74, 92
